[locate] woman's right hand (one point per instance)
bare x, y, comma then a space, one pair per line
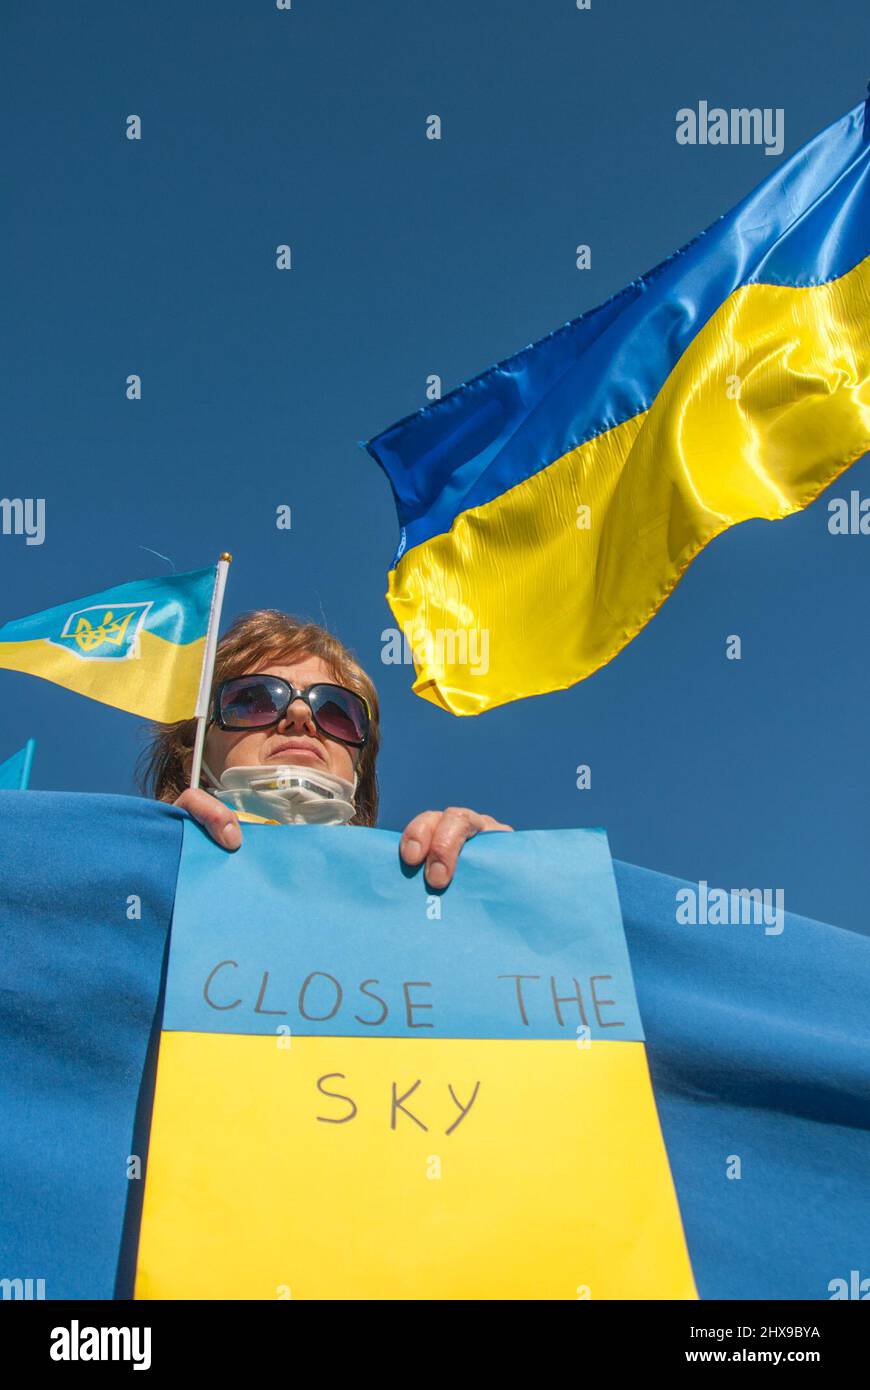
221, 823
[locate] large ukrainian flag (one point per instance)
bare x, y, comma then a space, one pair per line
138, 646
550, 505
248, 1191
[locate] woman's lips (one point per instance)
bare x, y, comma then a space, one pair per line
297, 748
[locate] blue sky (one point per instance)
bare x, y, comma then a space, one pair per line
411, 257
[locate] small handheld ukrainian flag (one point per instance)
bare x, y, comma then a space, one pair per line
549, 506
15, 771
141, 646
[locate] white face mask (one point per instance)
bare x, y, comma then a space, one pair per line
292, 795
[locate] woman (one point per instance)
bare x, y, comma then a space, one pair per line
294, 736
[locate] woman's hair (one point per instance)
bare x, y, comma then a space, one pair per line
256, 640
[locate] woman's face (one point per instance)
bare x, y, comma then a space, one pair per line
296, 739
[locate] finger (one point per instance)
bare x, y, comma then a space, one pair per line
417, 837
457, 824
221, 823
488, 823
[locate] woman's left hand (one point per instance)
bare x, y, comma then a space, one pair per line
438, 836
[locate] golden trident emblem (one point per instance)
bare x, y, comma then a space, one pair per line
110, 629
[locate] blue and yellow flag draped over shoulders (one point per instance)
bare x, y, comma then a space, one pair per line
353, 1097
549, 506
138, 646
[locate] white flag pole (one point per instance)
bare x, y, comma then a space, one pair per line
208, 656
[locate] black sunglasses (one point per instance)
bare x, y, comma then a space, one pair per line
258, 702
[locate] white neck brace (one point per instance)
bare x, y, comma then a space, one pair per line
287, 793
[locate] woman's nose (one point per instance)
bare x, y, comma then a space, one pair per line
299, 717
